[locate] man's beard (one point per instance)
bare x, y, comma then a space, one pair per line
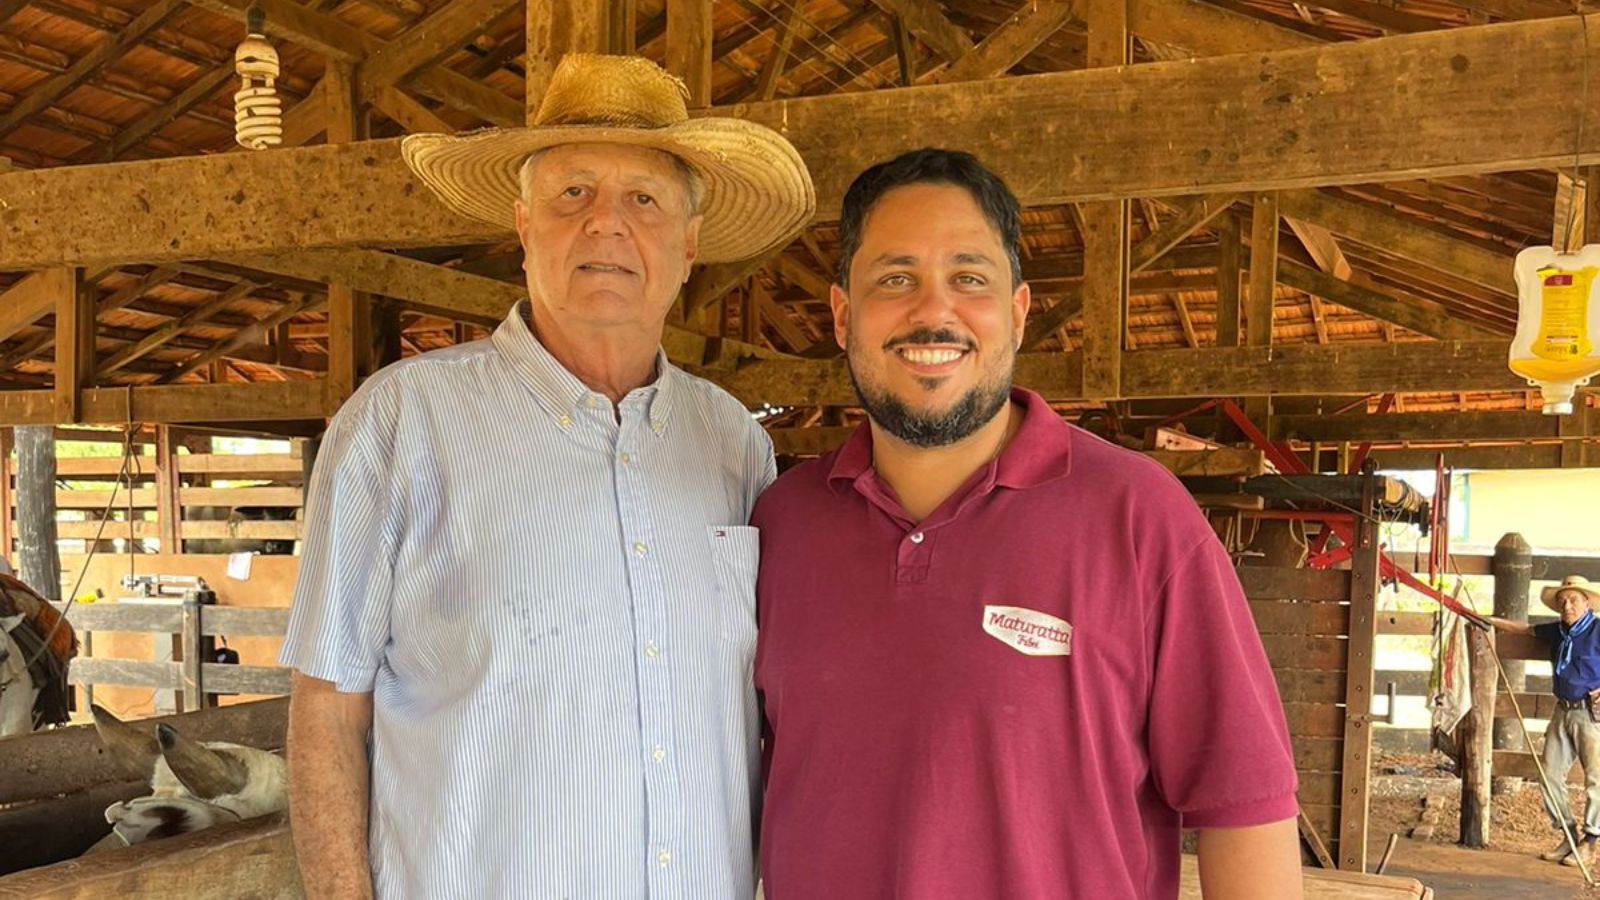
974, 410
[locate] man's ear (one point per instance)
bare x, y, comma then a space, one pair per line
840, 302
1021, 301
691, 245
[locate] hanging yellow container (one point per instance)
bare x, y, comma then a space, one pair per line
1558, 322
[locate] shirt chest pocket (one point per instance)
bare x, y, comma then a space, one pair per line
735, 556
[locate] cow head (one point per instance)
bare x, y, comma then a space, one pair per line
193, 785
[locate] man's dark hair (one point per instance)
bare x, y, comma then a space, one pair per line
932, 166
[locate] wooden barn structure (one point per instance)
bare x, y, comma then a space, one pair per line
1308, 208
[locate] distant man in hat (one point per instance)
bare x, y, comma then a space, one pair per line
524, 622
1573, 734
1000, 658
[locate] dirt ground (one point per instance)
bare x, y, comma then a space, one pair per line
1518, 831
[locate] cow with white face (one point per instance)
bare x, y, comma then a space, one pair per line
193, 785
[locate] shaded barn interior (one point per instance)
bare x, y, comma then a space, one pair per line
1308, 209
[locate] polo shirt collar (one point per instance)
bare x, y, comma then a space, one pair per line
558, 391
1040, 451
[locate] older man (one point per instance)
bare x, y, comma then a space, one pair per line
524, 623
1573, 735
1024, 661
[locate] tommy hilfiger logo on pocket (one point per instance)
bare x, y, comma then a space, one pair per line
1028, 630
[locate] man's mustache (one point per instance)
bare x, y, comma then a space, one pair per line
930, 336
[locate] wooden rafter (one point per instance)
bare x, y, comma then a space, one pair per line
1010, 43
925, 20
428, 42
166, 333
85, 68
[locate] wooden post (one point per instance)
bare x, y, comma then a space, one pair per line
197, 651
556, 29
1513, 573
75, 362
689, 47
1228, 281
342, 355
8, 528
1477, 742
169, 512
1356, 767
39, 562
1105, 235
1263, 282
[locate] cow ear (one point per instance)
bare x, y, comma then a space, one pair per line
206, 773
132, 749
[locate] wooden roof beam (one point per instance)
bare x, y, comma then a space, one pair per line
925, 20
1347, 123
1310, 369
428, 42
1011, 42
46, 95
1424, 318
1400, 236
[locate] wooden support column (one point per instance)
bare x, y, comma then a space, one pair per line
348, 310
342, 352
74, 342
38, 560
689, 47
556, 29
1105, 235
8, 529
169, 512
1477, 742
1512, 568
1575, 453
1263, 282
1356, 766
1228, 282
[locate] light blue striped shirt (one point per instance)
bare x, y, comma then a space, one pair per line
555, 613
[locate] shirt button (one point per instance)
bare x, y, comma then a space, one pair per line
564, 421
656, 427
663, 857
626, 459
658, 754
639, 549
916, 538
591, 402
652, 651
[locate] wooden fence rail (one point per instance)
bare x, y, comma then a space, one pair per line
195, 627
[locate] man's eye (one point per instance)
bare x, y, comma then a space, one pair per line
970, 280
897, 280
644, 199
574, 191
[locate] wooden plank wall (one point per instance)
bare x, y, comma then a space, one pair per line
1304, 619
163, 486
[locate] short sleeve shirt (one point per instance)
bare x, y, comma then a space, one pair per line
1025, 695
552, 603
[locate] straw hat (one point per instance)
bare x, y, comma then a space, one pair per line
1588, 589
758, 194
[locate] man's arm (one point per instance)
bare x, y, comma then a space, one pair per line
329, 783
1508, 626
1261, 862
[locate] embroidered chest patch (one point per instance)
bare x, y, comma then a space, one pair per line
1028, 630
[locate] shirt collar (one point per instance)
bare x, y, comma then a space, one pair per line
560, 392
1040, 451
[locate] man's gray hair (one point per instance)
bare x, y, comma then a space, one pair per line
693, 185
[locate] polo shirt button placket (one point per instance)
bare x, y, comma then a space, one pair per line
915, 553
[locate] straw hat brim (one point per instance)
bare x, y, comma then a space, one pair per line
1592, 594
758, 194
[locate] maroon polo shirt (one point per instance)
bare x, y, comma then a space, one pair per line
1026, 695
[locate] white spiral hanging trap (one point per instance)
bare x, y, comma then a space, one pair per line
257, 111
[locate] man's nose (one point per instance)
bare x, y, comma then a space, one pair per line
933, 304
605, 214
